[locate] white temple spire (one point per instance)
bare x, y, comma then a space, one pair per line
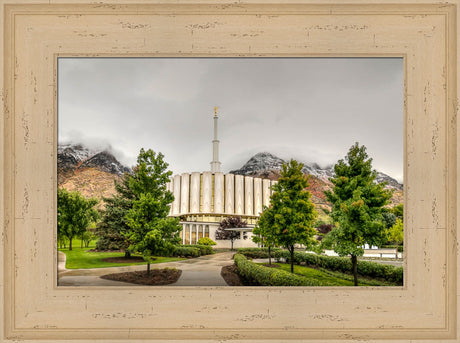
215, 164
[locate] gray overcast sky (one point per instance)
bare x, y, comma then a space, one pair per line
311, 109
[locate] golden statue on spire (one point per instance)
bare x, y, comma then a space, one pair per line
215, 111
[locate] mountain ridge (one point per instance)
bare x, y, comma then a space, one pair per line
93, 172
266, 163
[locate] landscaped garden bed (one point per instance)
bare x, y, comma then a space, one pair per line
314, 270
156, 277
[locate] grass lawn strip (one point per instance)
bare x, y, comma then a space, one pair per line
363, 281
330, 277
318, 275
79, 258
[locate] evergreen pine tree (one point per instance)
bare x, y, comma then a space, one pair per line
113, 226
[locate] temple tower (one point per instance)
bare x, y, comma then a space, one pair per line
215, 164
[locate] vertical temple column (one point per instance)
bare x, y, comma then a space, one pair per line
229, 194
184, 193
195, 192
219, 193
266, 192
257, 196
207, 192
239, 194
183, 233
176, 191
248, 195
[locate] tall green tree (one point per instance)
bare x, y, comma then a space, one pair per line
395, 234
152, 232
357, 206
263, 232
292, 213
75, 214
113, 226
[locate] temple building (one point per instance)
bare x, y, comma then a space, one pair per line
203, 199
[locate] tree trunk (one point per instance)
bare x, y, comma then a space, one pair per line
269, 256
127, 254
81, 242
354, 261
70, 243
232, 244
148, 268
291, 250
397, 251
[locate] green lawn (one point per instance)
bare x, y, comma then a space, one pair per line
79, 258
330, 277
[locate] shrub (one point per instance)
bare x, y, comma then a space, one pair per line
258, 252
204, 249
206, 241
186, 251
108, 244
254, 274
343, 264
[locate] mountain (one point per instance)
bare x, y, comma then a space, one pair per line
91, 172
106, 162
267, 165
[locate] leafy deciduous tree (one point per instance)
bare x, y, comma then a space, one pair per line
291, 213
152, 232
227, 223
75, 213
395, 234
357, 206
263, 232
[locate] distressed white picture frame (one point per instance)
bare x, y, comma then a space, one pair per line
35, 34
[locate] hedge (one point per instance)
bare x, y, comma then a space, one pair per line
192, 250
258, 252
343, 264
189, 251
204, 249
257, 275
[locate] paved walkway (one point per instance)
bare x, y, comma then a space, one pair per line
201, 271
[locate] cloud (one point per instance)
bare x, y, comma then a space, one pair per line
310, 108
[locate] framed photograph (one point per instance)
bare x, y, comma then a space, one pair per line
223, 166
37, 37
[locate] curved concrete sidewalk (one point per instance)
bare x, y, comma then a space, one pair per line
201, 271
